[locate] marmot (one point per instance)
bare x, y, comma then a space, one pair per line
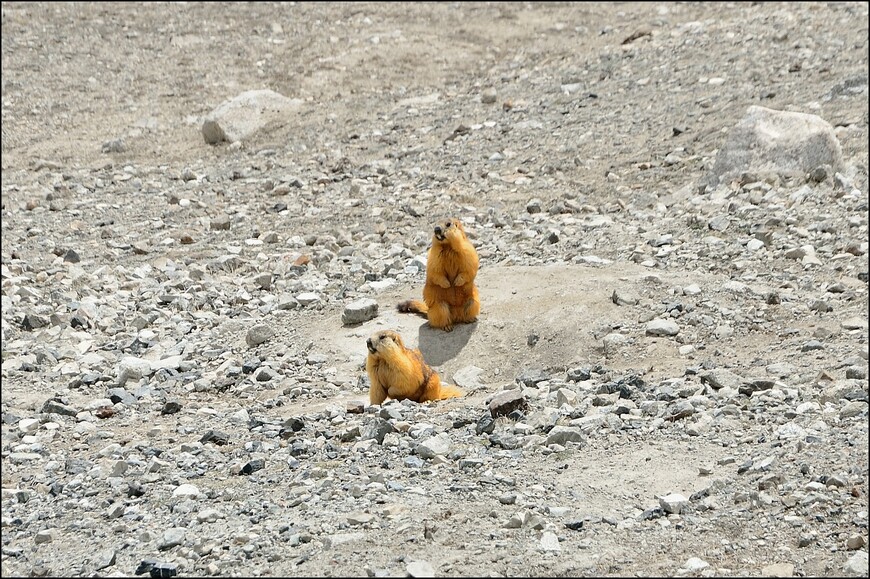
450, 294
400, 373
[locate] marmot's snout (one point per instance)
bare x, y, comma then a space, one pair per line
370, 346
439, 232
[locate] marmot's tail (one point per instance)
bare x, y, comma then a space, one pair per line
413, 307
449, 391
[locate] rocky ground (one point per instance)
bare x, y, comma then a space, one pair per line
668, 376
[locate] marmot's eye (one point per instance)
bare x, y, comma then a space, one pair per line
448, 224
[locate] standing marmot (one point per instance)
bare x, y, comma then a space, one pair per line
399, 372
450, 295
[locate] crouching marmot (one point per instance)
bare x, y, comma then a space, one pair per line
398, 372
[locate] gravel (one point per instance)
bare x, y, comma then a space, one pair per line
669, 373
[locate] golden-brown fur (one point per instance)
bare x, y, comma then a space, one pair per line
398, 372
450, 294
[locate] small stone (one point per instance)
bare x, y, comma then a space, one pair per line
171, 407
695, 564
359, 311
216, 437
434, 446
258, 334
549, 541
673, 503
662, 327
253, 466
420, 569
855, 542
105, 559
172, 538
308, 298
623, 297
33, 322
488, 96
263, 281
359, 518
719, 223
563, 434
506, 402
220, 223
468, 378
163, 570
71, 256
186, 491
485, 424
856, 566
46, 536
778, 570
28, 425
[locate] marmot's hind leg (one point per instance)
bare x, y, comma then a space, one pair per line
439, 317
467, 312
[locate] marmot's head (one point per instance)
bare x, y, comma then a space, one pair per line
448, 229
384, 341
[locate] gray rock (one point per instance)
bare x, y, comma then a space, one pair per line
258, 334
132, 368
673, 503
564, 434
433, 446
856, 566
506, 402
420, 569
662, 327
549, 542
781, 143
488, 96
622, 297
104, 559
248, 113
721, 378
359, 311
467, 378
854, 408
172, 538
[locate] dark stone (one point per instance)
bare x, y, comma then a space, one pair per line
32, 322
145, 566
164, 570
485, 425
652, 513
71, 256
215, 436
506, 402
579, 374
574, 525
57, 407
530, 378
121, 395
253, 466
294, 424
378, 429
134, 489
170, 407
249, 366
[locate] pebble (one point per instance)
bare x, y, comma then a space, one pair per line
673, 503
420, 569
359, 311
662, 327
258, 334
